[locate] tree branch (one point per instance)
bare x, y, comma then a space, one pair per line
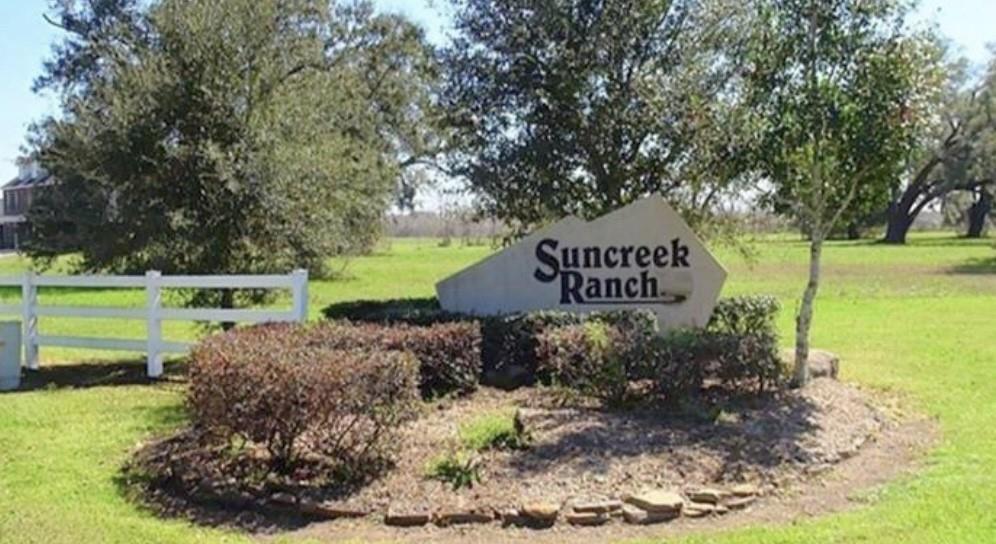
60, 26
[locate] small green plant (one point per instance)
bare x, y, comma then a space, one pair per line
493, 431
460, 469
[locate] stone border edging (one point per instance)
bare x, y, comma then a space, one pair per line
643, 508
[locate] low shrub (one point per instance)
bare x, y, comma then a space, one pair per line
676, 364
592, 358
599, 361
411, 311
744, 315
513, 341
604, 360
508, 342
745, 342
493, 431
265, 386
460, 469
449, 354
738, 348
509, 345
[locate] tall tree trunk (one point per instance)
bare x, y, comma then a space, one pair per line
904, 208
899, 221
978, 213
896, 230
804, 319
853, 231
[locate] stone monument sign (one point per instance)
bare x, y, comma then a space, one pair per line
643, 255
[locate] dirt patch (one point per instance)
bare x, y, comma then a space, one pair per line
806, 450
892, 453
591, 453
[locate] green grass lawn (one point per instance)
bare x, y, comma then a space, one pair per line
918, 320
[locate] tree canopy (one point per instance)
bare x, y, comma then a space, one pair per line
841, 88
954, 151
226, 136
579, 107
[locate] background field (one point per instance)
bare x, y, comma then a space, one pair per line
918, 320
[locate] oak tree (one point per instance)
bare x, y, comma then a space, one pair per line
226, 136
954, 153
580, 107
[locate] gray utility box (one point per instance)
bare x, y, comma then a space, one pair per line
10, 355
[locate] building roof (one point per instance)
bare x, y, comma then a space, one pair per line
20, 182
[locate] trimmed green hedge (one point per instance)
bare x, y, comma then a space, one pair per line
508, 342
744, 342
737, 351
412, 311
600, 353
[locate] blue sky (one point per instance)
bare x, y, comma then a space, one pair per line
27, 39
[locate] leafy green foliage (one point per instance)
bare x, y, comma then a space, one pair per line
739, 349
577, 107
598, 362
513, 340
744, 315
746, 343
460, 469
227, 136
677, 363
493, 431
842, 89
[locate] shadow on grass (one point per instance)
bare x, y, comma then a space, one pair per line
954, 240
254, 517
975, 266
166, 417
98, 374
48, 291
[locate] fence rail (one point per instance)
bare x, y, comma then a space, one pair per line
153, 313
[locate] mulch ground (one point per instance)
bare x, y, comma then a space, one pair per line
589, 453
782, 443
896, 451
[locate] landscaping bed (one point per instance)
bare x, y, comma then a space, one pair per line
576, 453
387, 421
586, 453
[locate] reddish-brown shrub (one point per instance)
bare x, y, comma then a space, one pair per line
268, 385
449, 354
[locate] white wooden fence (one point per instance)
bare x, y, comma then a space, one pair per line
153, 313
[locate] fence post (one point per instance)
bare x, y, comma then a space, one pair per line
154, 332
29, 299
299, 287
